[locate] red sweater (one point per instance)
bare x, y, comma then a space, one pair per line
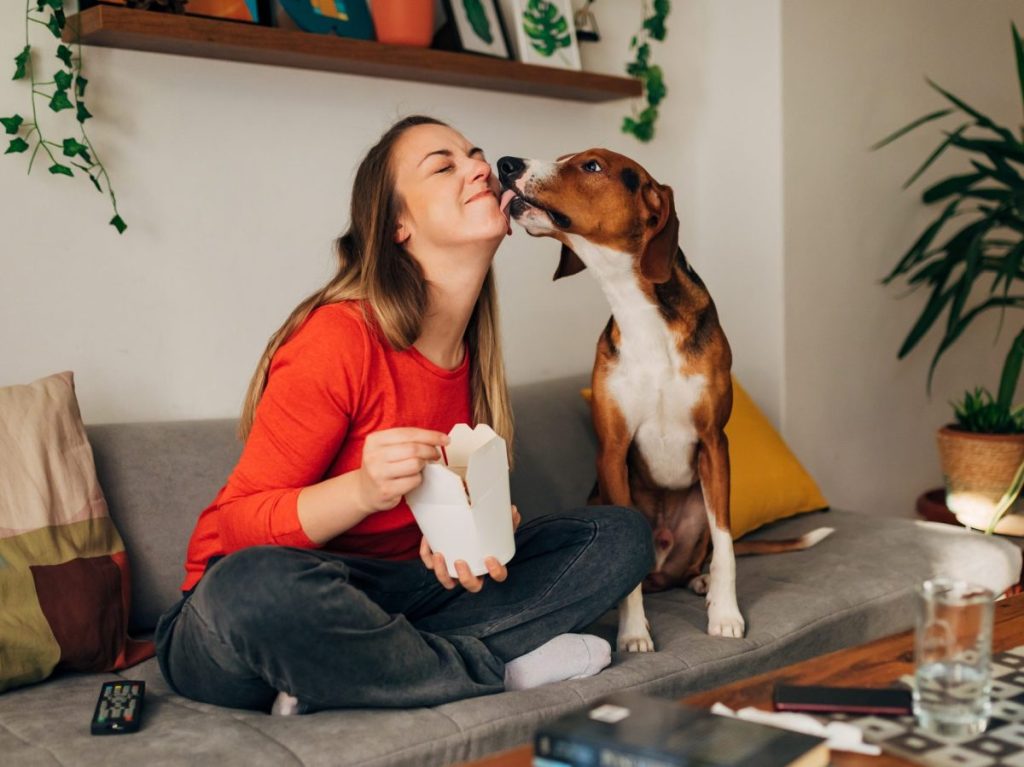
331, 384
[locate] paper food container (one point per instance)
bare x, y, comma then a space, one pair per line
464, 507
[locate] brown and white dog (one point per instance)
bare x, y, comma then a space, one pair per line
662, 391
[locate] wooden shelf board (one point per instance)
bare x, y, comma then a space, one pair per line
116, 27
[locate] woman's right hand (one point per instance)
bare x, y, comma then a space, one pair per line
393, 461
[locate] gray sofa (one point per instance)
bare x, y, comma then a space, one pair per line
855, 586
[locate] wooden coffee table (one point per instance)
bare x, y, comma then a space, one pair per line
877, 664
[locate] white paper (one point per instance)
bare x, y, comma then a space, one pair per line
474, 527
841, 736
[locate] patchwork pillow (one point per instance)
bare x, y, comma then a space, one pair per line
64, 578
767, 482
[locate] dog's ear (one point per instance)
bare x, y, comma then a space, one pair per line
568, 263
658, 256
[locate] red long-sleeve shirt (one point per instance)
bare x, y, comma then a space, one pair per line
335, 381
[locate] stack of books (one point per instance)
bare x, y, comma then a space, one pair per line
634, 730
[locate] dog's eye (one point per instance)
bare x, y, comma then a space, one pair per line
592, 166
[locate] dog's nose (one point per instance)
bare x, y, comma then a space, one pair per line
510, 168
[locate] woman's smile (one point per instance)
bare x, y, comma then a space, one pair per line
482, 194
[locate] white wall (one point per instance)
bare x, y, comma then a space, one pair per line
235, 178
853, 72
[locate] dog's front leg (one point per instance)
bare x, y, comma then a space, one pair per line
613, 482
724, 617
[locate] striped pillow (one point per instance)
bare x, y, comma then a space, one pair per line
64, 578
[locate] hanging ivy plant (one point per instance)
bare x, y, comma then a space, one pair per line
65, 91
641, 123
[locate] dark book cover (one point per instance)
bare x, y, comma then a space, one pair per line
634, 730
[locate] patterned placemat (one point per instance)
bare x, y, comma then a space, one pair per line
1001, 744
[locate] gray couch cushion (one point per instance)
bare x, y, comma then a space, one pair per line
852, 587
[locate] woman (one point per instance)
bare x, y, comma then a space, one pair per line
307, 575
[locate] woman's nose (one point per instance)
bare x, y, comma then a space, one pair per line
481, 170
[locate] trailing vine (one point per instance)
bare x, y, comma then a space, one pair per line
641, 123
65, 91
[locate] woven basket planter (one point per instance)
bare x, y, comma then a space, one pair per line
978, 468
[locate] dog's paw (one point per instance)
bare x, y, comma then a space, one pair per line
700, 584
635, 642
725, 623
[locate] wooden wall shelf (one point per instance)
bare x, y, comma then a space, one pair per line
117, 27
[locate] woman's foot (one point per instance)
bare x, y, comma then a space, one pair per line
286, 705
567, 656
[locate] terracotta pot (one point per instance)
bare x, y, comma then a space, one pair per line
404, 22
978, 468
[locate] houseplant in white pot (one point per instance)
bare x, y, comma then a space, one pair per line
971, 259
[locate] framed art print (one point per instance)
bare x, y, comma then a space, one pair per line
474, 26
545, 33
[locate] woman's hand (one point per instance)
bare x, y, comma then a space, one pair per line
435, 561
393, 461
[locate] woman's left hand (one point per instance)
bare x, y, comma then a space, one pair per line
435, 561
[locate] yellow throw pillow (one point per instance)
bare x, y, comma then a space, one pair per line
767, 481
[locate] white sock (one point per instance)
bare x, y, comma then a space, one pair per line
286, 705
567, 656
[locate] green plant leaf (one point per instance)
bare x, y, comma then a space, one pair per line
935, 155
907, 128
1011, 372
62, 170
80, 83
12, 124
57, 5
936, 303
118, 223
96, 183
1007, 500
73, 148
478, 20
919, 248
82, 114
1018, 47
17, 146
949, 186
994, 150
63, 79
60, 101
21, 63
64, 54
56, 23
983, 121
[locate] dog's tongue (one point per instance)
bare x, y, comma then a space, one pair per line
506, 197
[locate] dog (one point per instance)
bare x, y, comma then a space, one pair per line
662, 389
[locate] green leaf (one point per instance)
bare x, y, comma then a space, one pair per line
936, 303
478, 20
545, 26
96, 183
118, 223
935, 155
60, 101
56, 23
919, 248
983, 121
73, 148
57, 5
62, 170
952, 185
1011, 372
1018, 47
655, 86
17, 146
915, 124
80, 83
63, 80
64, 54
21, 63
82, 114
995, 150
11, 124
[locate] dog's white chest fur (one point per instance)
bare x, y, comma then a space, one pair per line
654, 396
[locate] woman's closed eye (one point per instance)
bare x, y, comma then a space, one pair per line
445, 169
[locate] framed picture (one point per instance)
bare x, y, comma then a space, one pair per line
545, 33
252, 11
473, 26
345, 18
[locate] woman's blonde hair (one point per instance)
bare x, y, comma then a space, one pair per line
374, 269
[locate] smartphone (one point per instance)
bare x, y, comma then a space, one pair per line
889, 701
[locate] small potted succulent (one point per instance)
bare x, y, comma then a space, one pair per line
971, 259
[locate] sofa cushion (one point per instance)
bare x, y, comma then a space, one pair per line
854, 586
64, 580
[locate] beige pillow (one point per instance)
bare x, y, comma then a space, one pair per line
64, 578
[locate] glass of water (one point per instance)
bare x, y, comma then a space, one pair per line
952, 657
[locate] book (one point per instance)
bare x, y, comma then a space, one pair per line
635, 730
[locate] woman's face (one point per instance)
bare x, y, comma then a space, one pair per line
448, 194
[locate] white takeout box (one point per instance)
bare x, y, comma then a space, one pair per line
474, 527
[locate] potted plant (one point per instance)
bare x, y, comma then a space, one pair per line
971, 259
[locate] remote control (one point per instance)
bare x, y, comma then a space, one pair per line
119, 707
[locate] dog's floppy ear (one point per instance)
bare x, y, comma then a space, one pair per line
658, 256
569, 263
